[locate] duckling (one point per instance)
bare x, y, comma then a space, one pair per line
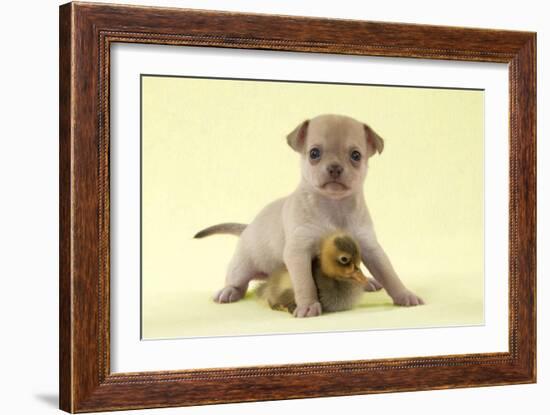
336, 272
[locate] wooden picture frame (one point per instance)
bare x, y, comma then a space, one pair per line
86, 33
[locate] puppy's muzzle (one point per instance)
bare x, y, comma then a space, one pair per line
335, 171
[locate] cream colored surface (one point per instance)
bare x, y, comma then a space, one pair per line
215, 151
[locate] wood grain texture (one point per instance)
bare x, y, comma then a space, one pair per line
86, 33
65, 137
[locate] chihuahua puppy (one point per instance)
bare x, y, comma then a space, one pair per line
334, 152
336, 272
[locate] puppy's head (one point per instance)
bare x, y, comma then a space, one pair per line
335, 150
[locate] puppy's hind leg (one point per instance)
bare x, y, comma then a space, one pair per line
239, 273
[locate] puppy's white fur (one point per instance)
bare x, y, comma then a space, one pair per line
287, 231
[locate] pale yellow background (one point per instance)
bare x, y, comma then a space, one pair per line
215, 151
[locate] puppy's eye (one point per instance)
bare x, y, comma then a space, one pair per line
355, 155
344, 260
315, 153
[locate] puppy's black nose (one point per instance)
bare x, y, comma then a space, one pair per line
335, 170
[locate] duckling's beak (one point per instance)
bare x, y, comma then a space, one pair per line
357, 275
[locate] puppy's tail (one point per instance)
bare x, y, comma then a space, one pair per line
222, 228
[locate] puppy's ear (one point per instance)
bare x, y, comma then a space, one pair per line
297, 138
374, 141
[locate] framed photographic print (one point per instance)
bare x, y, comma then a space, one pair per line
258, 207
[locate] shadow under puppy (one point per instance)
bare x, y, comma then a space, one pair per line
336, 273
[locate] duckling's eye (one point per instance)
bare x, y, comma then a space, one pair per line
344, 260
315, 153
355, 155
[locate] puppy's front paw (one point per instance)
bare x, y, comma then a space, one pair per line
228, 294
407, 299
372, 285
309, 310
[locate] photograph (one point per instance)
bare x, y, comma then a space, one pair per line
257, 206
276, 206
